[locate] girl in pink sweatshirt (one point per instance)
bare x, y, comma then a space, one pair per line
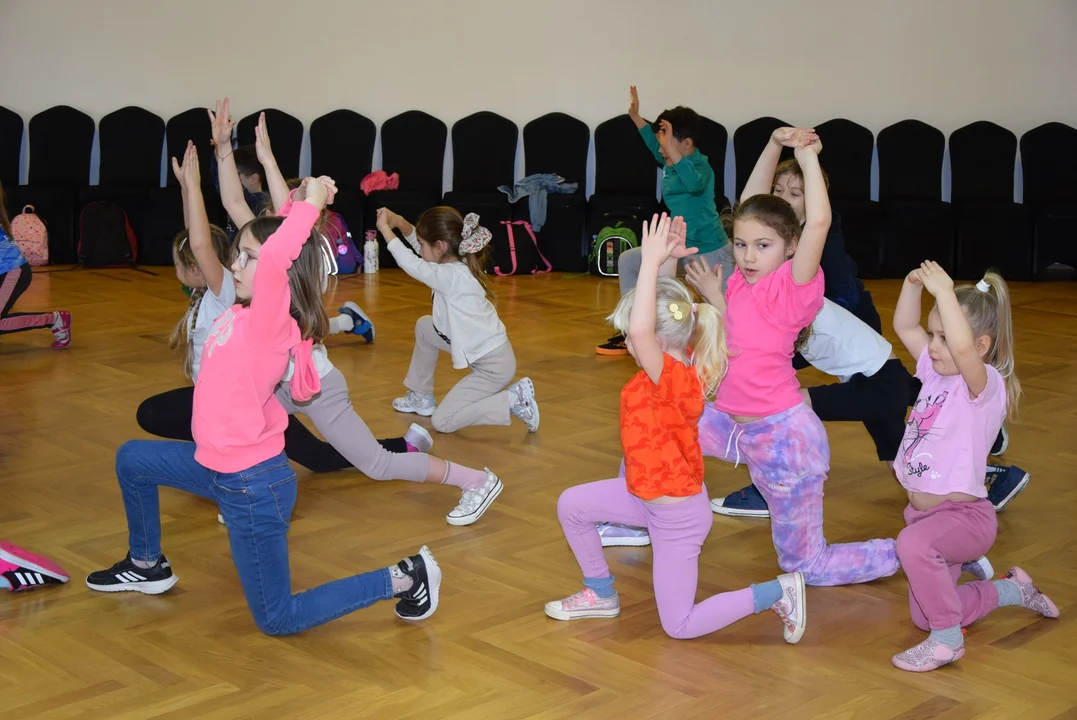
237, 458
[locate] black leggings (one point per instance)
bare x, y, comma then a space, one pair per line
168, 415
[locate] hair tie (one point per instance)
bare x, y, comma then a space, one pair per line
474, 236
695, 308
983, 287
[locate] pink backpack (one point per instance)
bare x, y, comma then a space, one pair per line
31, 236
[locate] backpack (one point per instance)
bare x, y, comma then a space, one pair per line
105, 236
349, 259
524, 258
607, 247
31, 236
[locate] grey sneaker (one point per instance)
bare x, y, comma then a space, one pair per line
413, 402
584, 604
524, 405
791, 608
473, 503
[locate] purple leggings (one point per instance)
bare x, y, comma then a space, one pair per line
677, 534
788, 457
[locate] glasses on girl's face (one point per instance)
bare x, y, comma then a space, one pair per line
242, 259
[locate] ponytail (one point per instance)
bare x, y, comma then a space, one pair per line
710, 355
183, 327
988, 310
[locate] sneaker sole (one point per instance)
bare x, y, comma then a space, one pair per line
626, 542
532, 426
559, 614
803, 624
1013, 493
717, 507
610, 353
420, 430
433, 577
17, 556
469, 519
147, 588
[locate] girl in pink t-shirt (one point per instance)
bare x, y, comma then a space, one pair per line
965, 362
759, 415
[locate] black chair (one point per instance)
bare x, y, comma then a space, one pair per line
192, 125
61, 141
713, 141
1048, 156
342, 147
286, 136
11, 130
846, 158
413, 145
748, 141
917, 225
557, 143
992, 230
626, 179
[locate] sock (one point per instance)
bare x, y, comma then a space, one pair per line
765, 595
603, 587
462, 477
414, 440
950, 637
143, 564
1009, 594
411, 448
341, 324
401, 582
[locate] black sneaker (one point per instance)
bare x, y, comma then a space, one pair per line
126, 576
614, 346
1001, 442
748, 502
1003, 484
421, 600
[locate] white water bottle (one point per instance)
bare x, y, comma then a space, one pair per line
370, 255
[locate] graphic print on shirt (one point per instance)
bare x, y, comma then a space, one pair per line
921, 420
221, 332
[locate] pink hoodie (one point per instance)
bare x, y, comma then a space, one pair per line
237, 421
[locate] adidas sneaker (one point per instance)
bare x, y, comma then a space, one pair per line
125, 576
421, 600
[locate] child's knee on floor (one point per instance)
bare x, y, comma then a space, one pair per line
443, 422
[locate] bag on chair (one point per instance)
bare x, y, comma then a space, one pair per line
607, 247
524, 257
31, 236
349, 259
105, 236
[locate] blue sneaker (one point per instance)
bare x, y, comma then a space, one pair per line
1003, 484
363, 327
743, 503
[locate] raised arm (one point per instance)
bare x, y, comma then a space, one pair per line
198, 233
816, 215
956, 330
633, 108
227, 174
907, 316
761, 181
656, 249
707, 282
436, 276
177, 170
395, 222
278, 186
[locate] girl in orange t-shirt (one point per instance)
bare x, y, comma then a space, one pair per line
663, 487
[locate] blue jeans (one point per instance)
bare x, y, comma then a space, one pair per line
257, 506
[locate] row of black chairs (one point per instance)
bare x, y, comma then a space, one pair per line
981, 226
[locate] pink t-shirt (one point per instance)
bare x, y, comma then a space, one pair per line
237, 421
762, 322
949, 434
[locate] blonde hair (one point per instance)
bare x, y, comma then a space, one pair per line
181, 247
700, 328
988, 314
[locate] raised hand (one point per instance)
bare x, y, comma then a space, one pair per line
633, 101
678, 239
330, 187
221, 126
665, 134
935, 279
914, 277
703, 278
177, 168
192, 172
385, 221
262, 148
314, 192
794, 137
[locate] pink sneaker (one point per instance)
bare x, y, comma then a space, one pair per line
928, 655
584, 604
623, 536
1031, 597
792, 608
26, 571
61, 331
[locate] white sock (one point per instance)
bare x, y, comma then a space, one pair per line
143, 564
341, 324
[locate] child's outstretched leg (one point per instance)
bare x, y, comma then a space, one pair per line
13, 284
352, 320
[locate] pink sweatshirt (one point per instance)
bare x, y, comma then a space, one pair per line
762, 322
237, 421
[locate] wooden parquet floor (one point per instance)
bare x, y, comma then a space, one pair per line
489, 652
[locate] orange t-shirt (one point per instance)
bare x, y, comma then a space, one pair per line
660, 433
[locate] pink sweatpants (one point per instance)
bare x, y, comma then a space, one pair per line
677, 534
932, 548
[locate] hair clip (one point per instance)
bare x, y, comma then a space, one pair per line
676, 310
695, 308
983, 287
182, 243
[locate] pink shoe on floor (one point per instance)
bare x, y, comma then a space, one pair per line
584, 604
26, 571
792, 608
1031, 597
61, 331
928, 655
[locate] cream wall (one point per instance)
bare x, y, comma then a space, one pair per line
947, 62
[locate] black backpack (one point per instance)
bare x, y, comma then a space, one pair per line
105, 236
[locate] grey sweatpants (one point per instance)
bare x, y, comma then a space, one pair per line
332, 413
629, 262
478, 399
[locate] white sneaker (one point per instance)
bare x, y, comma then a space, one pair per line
419, 438
473, 503
980, 569
791, 608
524, 405
220, 519
413, 402
614, 535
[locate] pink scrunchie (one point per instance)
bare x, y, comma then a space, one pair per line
305, 382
